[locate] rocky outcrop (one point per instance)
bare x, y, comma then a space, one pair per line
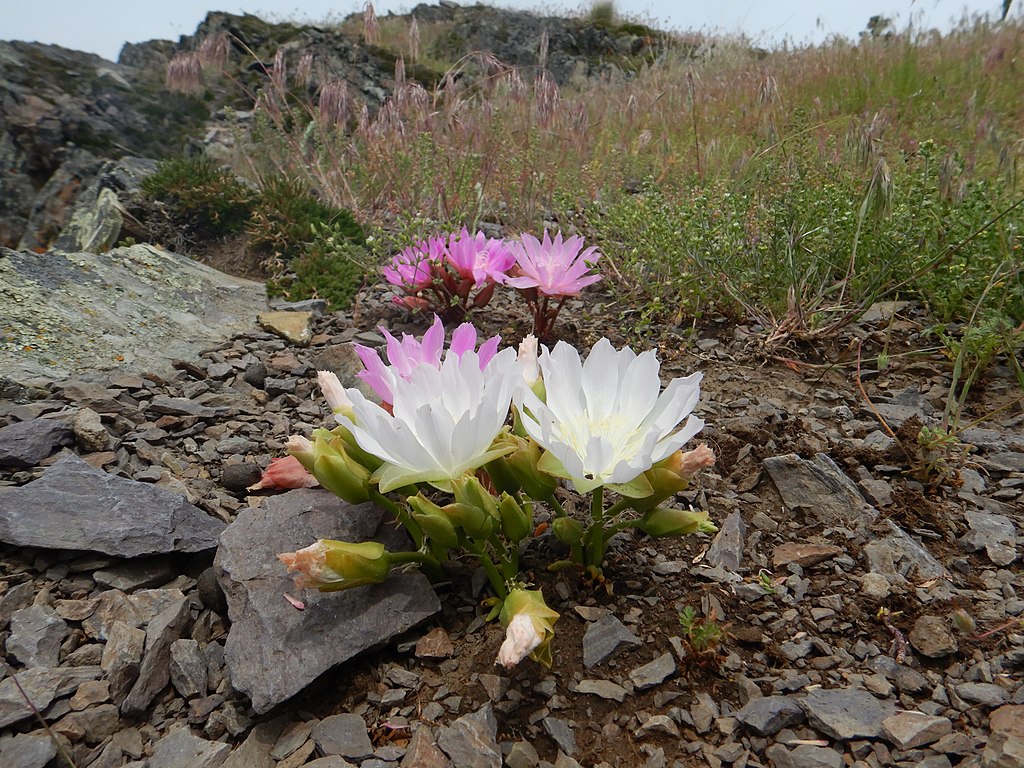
64, 112
136, 308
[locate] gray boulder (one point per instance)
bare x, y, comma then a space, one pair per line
76, 506
135, 308
273, 649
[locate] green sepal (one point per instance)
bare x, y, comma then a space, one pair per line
637, 488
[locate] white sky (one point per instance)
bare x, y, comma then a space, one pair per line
103, 26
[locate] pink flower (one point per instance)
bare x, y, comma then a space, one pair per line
479, 257
411, 269
555, 268
285, 473
405, 355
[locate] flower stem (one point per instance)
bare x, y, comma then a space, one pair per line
597, 505
556, 505
493, 574
400, 515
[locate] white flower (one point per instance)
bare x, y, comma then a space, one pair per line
604, 421
521, 638
443, 422
528, 360
333, 391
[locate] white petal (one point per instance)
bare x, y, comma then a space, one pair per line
520, 640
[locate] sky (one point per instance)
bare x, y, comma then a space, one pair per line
103, 26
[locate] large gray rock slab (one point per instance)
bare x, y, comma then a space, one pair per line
36, 635
28, 750
41, 685
846, 713
76, 506
136, 308
821, 488
273, 650
26, 443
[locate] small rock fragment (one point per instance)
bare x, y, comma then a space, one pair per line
909, 730
344, 735
931, 637
604, 638
653, 673
767, 715
435, 645
179, 748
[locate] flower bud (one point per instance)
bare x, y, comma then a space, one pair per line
672, 475
686, 465
536, 483
474, 521
568, 530
529, 626
515, 523
528, 365
339, 473
330, 566
337, 398
302, 449
286, 472
434, 521
470, 491
666, 521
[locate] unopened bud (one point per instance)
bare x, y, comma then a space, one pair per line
330, 566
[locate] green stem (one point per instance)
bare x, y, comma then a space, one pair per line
493, 574
400, 515
556, 505
619, 506
597, 505
428, 564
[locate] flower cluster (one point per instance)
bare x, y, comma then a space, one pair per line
454, 275
467, 446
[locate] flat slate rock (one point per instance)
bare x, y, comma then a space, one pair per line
846, 713
820, 487
41, 685
274, 650
28, 750
604, 639
75, 506
26, 443
135, 308
181, 749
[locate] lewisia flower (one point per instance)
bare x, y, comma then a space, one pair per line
553, 267
284, 473
412, 268
443, 419
406, 355
479, 258
604, 421
529, 627
333, 565
334, 393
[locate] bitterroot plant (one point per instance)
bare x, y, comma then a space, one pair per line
465, 446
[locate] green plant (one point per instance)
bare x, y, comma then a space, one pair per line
333, 267
284, 217
209, 197
767, 582
703, 634
602, 13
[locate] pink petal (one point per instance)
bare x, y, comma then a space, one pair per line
285, 473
